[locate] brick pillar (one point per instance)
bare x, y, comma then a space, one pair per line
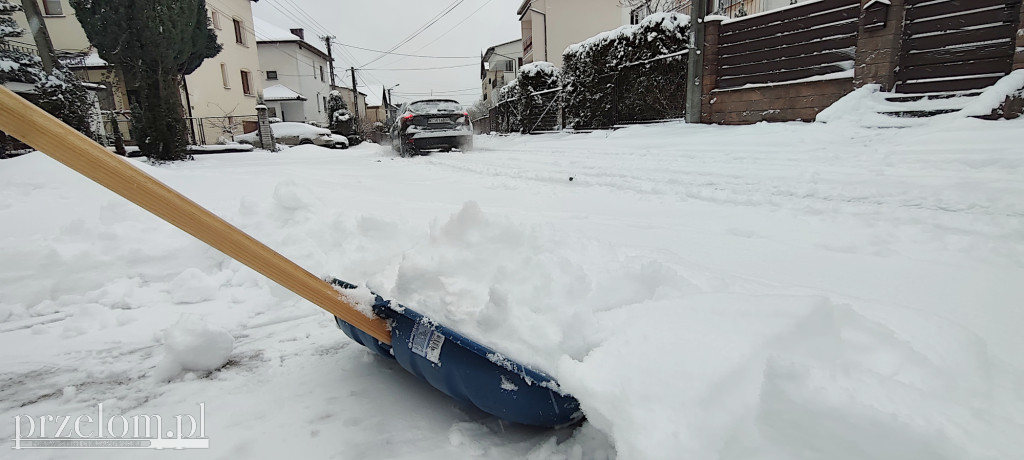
878, 49
711, 28
266, 136
1018, 58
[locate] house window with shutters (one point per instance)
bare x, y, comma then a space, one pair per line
215, 19
246, 83
239, 32
52, 8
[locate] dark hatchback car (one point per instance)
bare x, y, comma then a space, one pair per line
431, 124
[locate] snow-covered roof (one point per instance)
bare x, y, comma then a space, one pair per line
281, 93
267, 32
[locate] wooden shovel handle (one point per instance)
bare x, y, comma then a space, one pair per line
35, 127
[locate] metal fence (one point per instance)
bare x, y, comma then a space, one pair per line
212, 130
627, 96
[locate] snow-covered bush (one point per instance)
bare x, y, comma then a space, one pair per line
507, 113
535, 78
635, 72
339, 119
523, 106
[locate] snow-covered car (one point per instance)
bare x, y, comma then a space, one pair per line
432, 124
340, 142
292, 133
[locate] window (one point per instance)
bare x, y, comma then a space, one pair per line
224, 75
318, 104
53, 8
325, 103
246, 84
239, 32
106, 97
271, 75
272, 112
215, 19
321, 73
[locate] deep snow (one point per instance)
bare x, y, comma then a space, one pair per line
776, 291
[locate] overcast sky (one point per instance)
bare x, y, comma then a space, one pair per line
467, 30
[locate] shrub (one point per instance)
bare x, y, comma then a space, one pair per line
624, 74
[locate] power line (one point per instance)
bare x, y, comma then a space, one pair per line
444, 13
408, 55
429, 68
449, 31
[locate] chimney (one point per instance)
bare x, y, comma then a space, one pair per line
299, 33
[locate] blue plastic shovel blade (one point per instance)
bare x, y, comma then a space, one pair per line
467, 370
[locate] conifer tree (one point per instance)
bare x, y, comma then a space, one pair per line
155, 43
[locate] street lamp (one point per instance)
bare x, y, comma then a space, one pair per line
391, 103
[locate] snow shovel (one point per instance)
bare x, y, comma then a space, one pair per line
452, 363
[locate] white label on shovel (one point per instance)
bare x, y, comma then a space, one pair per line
426, 342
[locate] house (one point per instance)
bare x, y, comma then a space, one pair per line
73, 49
498, 66
296, 75
550, 26
223, 89
220, 90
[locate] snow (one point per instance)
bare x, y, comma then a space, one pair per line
774, 291
281, 92
542, 67
193, 345
1008, 86
829, 76
864, 106
671, 22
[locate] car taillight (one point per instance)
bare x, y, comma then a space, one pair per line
407, 119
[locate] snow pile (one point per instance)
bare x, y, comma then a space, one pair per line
866, 106
198, 346
1011, 85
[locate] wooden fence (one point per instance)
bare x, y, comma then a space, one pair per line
803, 41
956, 45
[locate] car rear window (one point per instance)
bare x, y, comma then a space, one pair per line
434, 106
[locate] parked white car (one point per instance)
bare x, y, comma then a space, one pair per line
292, 133
340, 142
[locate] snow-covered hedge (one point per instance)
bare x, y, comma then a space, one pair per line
529, 97
632, 73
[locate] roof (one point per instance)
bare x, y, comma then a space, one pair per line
491, 50
281, 93
267, 33
523, 6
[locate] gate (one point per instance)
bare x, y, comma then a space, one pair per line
956, 45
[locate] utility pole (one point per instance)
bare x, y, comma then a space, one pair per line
695, 68
355, 97
327, 41
39, 34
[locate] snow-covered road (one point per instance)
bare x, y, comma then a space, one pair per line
774, 291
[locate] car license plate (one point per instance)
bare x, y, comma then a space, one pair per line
439, 120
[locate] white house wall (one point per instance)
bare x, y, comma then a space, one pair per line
208, 96
568, 22
299, 70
